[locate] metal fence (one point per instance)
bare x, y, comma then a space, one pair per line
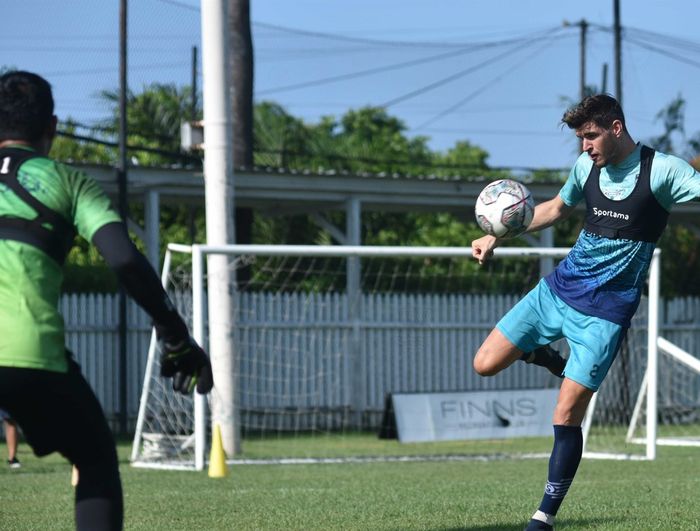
296, 354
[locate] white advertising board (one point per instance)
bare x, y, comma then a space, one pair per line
422, 417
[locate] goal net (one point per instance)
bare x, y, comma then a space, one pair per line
651, 395
342, 351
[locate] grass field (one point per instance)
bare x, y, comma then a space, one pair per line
464, 495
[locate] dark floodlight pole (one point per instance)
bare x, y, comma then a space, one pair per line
582, 58
582, 54
584, 28
618, 51
193, 96
604, 79
123, 212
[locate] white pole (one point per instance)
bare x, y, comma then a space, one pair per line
365, 250
143, 404
218, 174
199, 337
546, 240
652, 352
679, 354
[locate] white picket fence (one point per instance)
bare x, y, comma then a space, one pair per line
92, 335
405, 343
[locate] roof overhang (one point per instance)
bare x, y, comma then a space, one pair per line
280, 193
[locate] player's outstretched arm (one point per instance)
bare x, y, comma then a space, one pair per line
548, 213
182, 359
482, 248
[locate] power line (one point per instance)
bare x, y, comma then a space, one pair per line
180, 4
377, 70
150, 67
462, 73
57, 49
483, 87
105, 37
130, 147
659, 38
424, 107
112, 130
404, 162
660, 51
386, 43
327, 156
500, 132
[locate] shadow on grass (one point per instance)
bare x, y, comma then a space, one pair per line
564, 523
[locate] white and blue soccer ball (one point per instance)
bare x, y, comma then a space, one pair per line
504, 208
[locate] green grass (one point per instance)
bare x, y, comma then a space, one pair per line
474, 495
354, 444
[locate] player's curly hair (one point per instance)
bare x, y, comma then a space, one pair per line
26, 106
601, 109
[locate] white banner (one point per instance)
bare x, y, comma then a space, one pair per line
422, 417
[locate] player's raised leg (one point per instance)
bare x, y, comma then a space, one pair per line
524, 333
495, 354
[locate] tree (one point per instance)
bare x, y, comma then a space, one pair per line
366, 140
153, 117
280, 138
673, 118
242, 71
678, 275
69, 147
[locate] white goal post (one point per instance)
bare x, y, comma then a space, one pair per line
173, 432
648, 388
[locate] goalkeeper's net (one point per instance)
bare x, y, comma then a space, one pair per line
651, 395
332, 343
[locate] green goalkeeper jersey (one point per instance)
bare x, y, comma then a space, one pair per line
31, 327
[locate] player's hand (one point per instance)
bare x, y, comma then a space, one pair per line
482, 248
188, 365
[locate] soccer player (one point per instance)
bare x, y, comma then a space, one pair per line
43, 204
591, 296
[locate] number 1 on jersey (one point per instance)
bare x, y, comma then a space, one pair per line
5, 165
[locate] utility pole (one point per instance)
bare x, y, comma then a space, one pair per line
582, 59
584, 28
582, 75
219, 197
123, 210
618, 50
604, 79
193, 96
582, 54
240, 61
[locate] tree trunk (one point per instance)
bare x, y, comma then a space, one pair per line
241, 69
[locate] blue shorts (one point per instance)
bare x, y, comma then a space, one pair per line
541, 318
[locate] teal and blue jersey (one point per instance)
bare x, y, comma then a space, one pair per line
604, 277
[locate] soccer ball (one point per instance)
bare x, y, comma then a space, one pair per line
504, 208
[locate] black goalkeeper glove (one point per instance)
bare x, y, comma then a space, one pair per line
188, 365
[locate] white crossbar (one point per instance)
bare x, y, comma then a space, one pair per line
681, 355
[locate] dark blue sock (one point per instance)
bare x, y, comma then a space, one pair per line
566, 455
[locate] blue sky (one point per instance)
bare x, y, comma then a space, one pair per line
495, 73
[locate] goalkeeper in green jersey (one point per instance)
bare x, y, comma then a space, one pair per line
43, 204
